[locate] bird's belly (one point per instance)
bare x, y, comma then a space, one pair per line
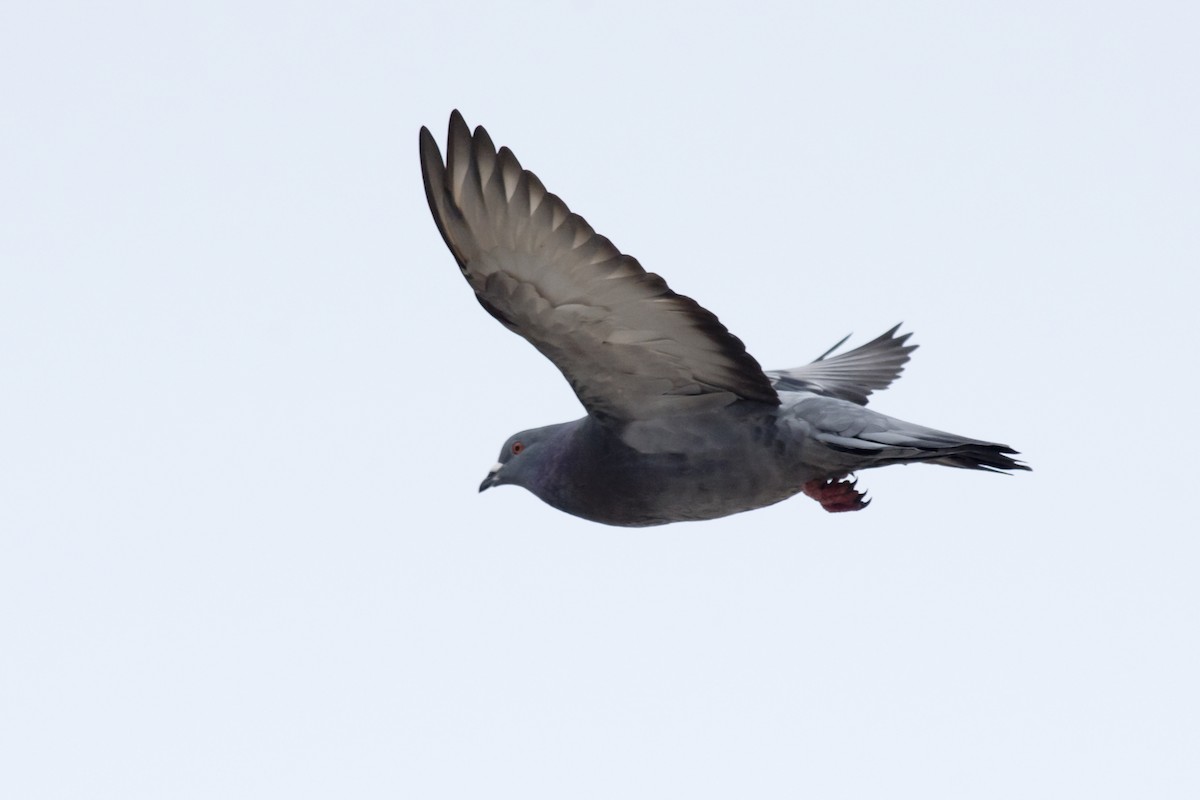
667, 488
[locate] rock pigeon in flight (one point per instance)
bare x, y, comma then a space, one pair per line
682, 423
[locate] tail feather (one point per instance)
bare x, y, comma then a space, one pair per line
876, 440
894, 447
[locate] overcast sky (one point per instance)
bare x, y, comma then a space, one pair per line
247, 400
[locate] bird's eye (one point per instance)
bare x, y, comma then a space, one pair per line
517, 448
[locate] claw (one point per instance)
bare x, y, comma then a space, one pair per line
836, 495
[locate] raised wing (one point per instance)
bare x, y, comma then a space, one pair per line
629, 346
853, 375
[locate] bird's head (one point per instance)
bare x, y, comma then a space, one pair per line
523, 459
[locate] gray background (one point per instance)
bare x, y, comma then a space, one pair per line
247, 399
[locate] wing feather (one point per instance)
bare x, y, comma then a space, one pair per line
852, 375
630, 347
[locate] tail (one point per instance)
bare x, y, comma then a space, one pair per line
864, 439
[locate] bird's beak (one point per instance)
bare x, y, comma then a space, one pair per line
490, 480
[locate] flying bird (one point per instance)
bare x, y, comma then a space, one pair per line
682, 423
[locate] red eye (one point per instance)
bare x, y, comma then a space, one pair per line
517, 448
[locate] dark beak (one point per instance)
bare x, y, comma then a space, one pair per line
491, 479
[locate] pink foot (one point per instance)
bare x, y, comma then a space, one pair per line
836, 495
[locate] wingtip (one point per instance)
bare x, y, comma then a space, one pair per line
458, 126
900, 342
829, 352
456, 121
427, 144
431, 161
891, 333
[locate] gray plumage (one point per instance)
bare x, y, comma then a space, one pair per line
682, 423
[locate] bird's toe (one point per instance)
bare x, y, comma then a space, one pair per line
836, 495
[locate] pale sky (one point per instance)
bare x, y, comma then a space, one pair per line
247, 401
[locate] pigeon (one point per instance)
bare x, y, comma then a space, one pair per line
682, 423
